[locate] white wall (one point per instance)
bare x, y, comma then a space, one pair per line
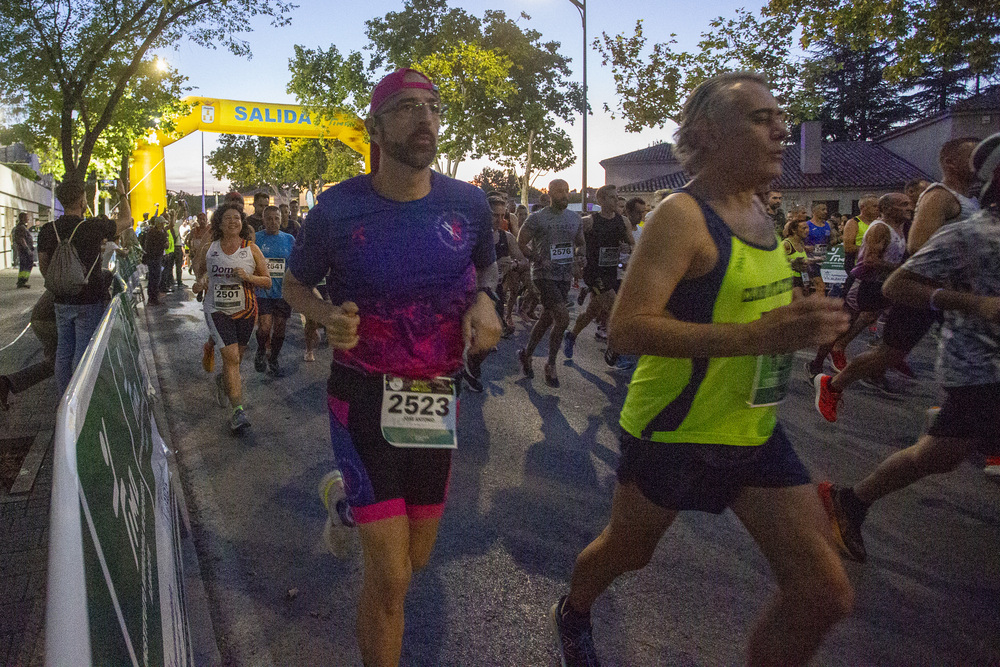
18, 194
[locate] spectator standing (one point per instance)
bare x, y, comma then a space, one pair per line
154, 244
77, 316
25, 249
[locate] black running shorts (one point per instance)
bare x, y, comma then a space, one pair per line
226, 330
707, 478
971, 412
275, 307
905, 326
870, 299
380, 481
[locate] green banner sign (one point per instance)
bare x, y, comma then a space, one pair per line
832, 269
120, 537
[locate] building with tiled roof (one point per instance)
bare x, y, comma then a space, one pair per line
976, 116
640, 165
845, 170
848, 170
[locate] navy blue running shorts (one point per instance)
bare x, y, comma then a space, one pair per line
707, 478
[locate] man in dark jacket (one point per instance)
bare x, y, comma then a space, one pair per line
154, 242
24, 248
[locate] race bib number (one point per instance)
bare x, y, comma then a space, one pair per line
276, 267
770, 380
419, 413
561, 253
608, 256
229, 297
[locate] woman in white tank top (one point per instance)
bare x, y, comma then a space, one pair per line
232, 265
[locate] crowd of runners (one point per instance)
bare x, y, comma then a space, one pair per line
415, 278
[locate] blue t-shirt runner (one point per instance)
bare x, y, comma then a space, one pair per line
276, 249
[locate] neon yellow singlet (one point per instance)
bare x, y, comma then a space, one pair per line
711, 401
862, 228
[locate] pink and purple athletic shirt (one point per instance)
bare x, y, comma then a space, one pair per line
409, 266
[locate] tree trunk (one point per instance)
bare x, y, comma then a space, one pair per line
526, 180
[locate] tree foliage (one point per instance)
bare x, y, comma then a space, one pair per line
282, 166
69, 64
653, 81
503, 86
858, 104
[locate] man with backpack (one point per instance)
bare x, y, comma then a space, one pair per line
69, 251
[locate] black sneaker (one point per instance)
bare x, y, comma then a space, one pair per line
574, 639
846, 533
273, 368
610, 357
259, 363
525, 364
582, 296
474, 383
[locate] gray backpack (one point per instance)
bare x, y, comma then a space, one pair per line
65, 276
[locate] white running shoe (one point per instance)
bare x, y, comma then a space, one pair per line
337, 533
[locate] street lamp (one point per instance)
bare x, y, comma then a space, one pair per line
581, 6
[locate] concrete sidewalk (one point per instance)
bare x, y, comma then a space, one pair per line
24, 503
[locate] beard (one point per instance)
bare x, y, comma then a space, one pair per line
408, 153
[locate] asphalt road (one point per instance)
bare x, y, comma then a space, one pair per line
531, 486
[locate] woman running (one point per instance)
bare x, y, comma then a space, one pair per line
228, 271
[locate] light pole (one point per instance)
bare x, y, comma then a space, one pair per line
581, 6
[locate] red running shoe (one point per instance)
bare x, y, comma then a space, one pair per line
992, 467
826, 398
839, 359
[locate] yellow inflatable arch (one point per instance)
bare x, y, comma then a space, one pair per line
147, 172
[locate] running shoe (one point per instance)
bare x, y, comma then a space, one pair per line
199, 297
582, 296
259, 364
337, 532
610, 357
992, 467
273, 369
309, 355
574, 638
826, 398
839, 359
881, 385
810, 372
474, 383
846, 533
601, 333
525, 364
568, 341
239, 422
208, 357
221, 395
625, 365
550, 376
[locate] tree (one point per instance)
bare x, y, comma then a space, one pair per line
498, 180
652, 83
858, 103
472, 81
70, 63
921, 33
503, 87
282, 166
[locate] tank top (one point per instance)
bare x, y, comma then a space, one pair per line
967, 205
603, 240
226, 293
715, 400
896, 250
860, 236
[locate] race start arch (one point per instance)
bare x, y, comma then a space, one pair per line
147, 172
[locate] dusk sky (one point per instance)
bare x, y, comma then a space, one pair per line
320, 24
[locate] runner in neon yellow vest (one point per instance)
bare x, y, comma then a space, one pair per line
708, 303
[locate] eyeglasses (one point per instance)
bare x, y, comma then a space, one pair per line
414, 109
